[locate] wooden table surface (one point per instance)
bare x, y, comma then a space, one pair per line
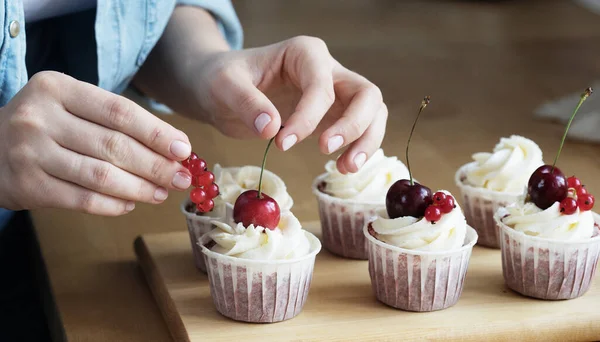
486, 65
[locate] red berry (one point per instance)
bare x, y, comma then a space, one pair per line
439, 198
212, 190
568, 206
205, 206
198, 195
573, 182
186, 163
206, 178
582, 191
433, 213
586, 202
448, 205
197, 166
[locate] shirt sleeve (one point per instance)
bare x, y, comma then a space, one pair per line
224, 13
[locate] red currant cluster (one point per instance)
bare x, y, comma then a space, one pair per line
442, 204
577, 197
203, 181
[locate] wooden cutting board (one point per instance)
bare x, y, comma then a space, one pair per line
342, 307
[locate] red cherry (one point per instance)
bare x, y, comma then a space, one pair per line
433, 213
212, 190
198, 195
439, 198
262, 211
186, 163
582, 191
205, 206
586, 202
573, 182
197, 166
568, 206
547, 185
448, 205
206, 178
404, 199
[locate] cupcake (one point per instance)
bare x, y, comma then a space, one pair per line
258, 274
419, 263
494, 180
346, 202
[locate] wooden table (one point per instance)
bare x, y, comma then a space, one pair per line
486, 65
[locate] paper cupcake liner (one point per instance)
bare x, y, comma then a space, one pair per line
260, 291
197, 226
418, 280
342, 223
547, 268
480, 205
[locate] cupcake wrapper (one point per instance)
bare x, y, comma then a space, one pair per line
418, 281
547, 269
479, 206
260, 291
342, 223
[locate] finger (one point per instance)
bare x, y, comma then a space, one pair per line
101, 177
118, 113
362, 149
121, 151
58, 193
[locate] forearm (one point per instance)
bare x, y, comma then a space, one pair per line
169, 73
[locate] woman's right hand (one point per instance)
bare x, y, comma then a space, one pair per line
68, 144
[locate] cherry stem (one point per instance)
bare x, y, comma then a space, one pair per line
584, 97
262, 169
424, 104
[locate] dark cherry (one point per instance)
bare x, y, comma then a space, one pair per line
404, 199
546, 186
250, 208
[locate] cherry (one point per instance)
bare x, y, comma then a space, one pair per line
205, 178
433, 213
205, 206
186, 163
448, 205
197, 166
547, 185
573, 182
568, 206
255, 207
586, 202
212, 190
198, 195
404, 199
439, 198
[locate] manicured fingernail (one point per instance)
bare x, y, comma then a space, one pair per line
261, 122
360, 159
289, 141
182, 180
129, 206
181, 149
161, 194
334, 143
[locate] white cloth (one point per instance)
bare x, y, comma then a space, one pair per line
43, 9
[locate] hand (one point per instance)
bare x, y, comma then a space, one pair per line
344, 106
68, 144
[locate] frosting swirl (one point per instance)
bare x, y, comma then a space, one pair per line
233, 181
287, 241
419, 234
508, 168
370, 183
550, 223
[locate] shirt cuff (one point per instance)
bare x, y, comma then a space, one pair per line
227, 20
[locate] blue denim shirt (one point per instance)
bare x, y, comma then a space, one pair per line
125, 33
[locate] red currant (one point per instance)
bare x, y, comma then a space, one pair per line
433, 213
205, 178
206, 206
573, 182
448, 205
186, 163
586, 202
198, 195
582, 191
197, 166
568, 206
439, 198
212, 190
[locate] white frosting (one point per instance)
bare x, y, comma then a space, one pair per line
508, 168
287, 241
370, 183
550, 223
233, 181
419, 234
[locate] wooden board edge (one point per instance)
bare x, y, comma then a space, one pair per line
159, 291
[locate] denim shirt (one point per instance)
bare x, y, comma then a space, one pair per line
125, 33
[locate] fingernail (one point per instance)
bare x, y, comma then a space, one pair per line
182, 180
181, 149
129, 206
261, 122
360, 159
289, 141
334, 143
161, 194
